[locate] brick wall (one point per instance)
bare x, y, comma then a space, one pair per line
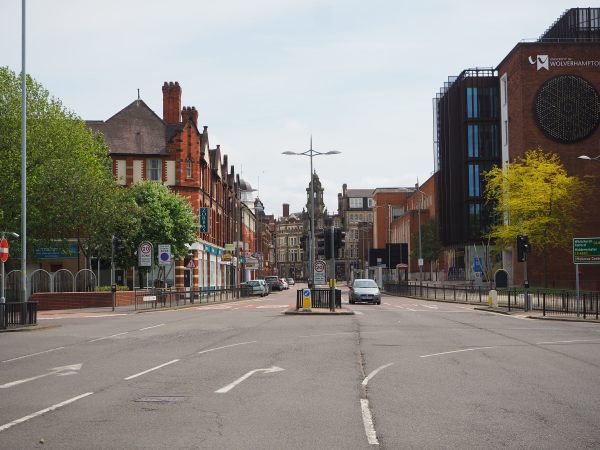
75, 300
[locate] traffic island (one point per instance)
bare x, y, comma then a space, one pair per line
319, 312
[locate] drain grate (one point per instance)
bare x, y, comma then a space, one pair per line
160, 399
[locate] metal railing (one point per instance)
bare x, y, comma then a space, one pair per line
18, 314
549, 302
155, 298
320, 298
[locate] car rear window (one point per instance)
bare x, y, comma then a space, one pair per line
365, 284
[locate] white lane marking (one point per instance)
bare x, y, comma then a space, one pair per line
6, 426
568, 342
108, 337
150, 370
230, 386
225, 346
33, 354
153, 326
429, 306
368, 422
360, 313
327, 334
64, 370
454, 351
375, 372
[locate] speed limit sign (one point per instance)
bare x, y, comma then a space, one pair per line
145, 254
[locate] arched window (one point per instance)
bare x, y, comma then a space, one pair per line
188, 167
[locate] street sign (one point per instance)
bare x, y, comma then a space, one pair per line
145, 254
477, 265
306, 299
586, 250
191, 264
203, 220
164, 254
320, 272
4, 250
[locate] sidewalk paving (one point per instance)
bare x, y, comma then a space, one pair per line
534, 314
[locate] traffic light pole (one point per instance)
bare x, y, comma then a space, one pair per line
332, 277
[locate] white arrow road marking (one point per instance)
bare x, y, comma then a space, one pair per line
6, 426
229, 387
64, 370
375, 372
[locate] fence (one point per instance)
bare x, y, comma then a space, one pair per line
15, 314
320, 298
549, 302
172, 297
41, 280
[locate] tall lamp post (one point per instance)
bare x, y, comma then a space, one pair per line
310, 153
420, 250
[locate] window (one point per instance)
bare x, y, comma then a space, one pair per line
504, 89
356, 203
474, 219
188, 167
153, 171
473, 141
482, 141
370, 202
506, 132
472, 103
474, 185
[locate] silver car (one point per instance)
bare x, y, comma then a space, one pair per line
364, 290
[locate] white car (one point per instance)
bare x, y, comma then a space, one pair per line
364, 290
284, 283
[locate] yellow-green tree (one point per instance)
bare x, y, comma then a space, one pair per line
534, 195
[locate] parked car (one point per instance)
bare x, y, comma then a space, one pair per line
284, 283
273, 282
364, 290
257, 287
290, 281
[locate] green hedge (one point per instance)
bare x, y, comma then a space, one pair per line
107, 288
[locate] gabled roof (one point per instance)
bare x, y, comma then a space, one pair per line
359, 193
136, 129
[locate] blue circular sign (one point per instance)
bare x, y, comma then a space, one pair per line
306, 293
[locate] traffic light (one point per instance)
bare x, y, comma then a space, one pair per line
323, 238
339, 240
523, 247
119, 248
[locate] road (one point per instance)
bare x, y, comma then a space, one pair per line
405, 374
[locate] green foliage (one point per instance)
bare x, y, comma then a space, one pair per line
536, 197
431, 245
156, 215
120, 287
69, 180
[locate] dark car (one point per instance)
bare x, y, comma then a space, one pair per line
273, 282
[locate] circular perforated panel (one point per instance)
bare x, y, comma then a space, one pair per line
567, 108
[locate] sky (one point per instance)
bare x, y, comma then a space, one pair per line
266, 75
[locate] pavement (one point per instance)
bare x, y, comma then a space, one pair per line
533, 314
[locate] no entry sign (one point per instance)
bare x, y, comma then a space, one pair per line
4, 250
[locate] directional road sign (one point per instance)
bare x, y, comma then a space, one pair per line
586, 250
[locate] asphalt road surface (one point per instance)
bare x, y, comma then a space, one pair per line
405, 374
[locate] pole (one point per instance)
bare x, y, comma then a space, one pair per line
332, 278
311, 274
2, 298
23, 159
576, 285
420, 262
113, 288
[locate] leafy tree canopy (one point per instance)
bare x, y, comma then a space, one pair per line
70, 188
535, 196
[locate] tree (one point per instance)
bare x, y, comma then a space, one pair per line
535, 196
161, 217
431, 245
70, 188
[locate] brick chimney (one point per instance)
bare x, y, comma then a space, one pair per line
189, 113
286, 209
171, 102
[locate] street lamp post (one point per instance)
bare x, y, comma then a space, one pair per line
310, 153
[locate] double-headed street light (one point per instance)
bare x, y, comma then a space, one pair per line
311, 152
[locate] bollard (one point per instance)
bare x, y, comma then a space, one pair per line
493, 298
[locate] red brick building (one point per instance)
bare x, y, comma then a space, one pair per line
549, 98
174, 151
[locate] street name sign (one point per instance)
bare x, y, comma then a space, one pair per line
586, 250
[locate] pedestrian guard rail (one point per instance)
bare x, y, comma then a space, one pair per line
155, 298
320, 298
17, 314
548, 301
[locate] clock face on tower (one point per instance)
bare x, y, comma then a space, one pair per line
567, 108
